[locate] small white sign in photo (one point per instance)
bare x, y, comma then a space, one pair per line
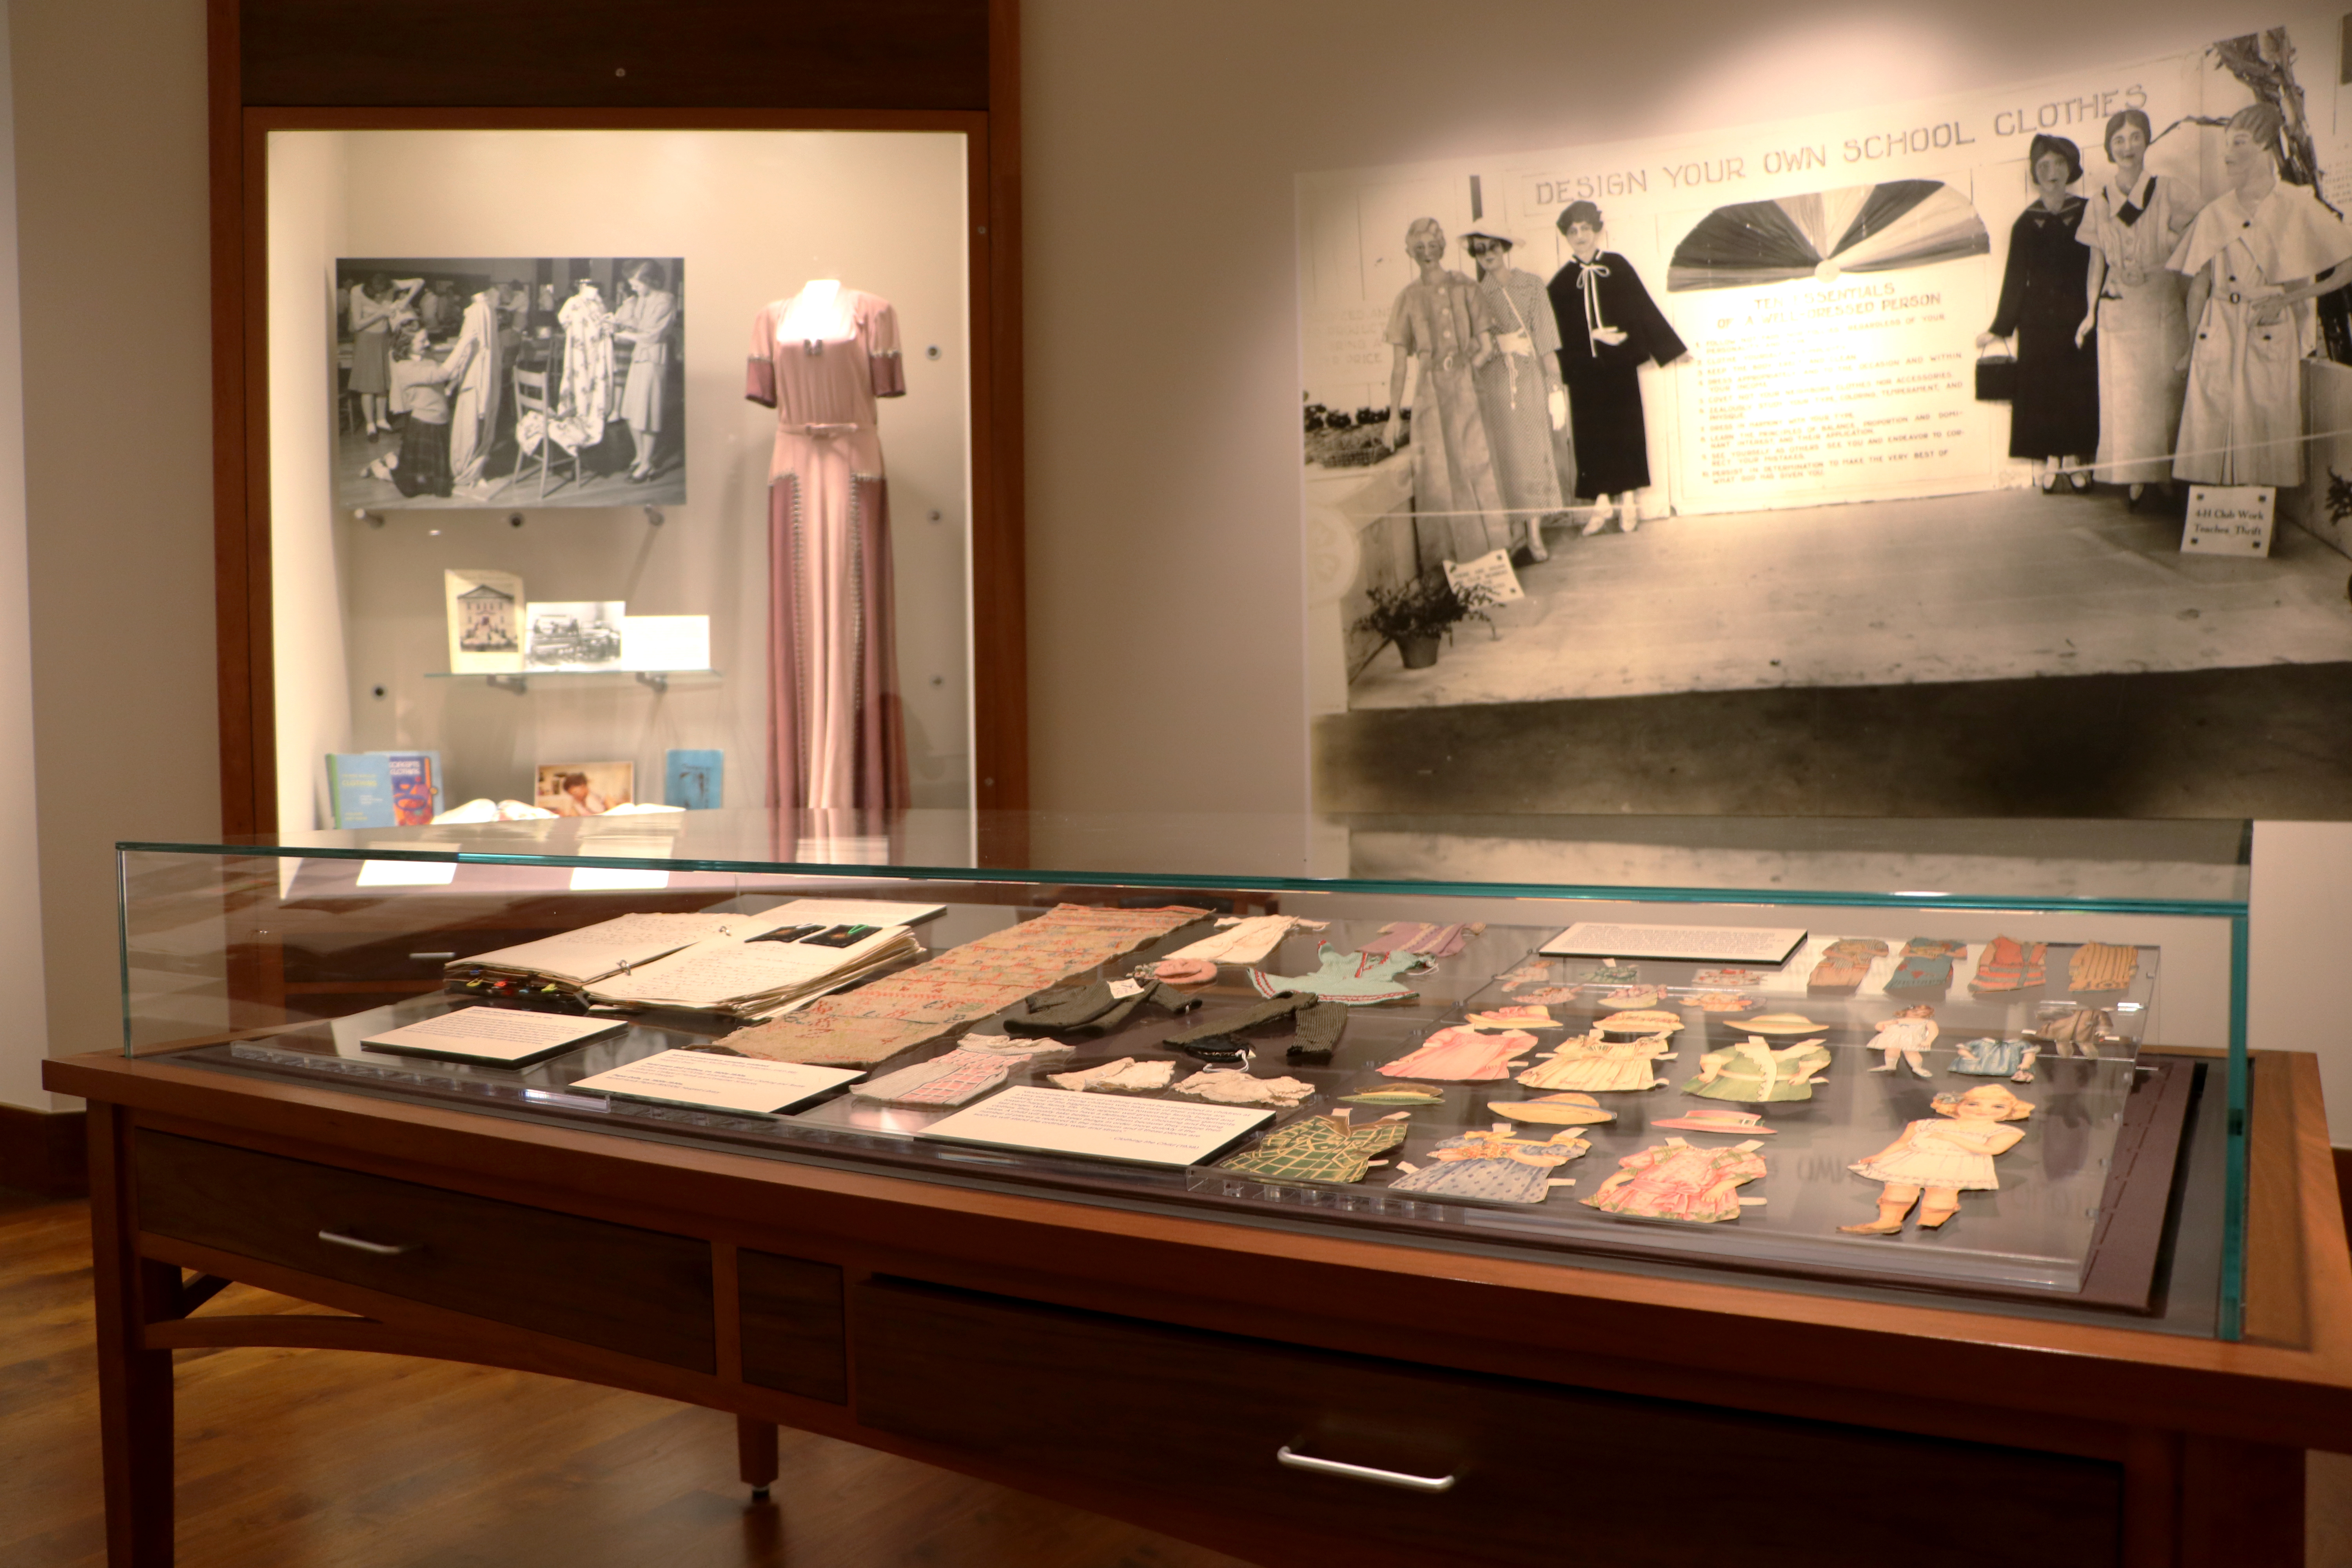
1491, 572
2230, 520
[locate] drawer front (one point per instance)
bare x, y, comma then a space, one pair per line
640, 1292
1541, 1474
793, 1335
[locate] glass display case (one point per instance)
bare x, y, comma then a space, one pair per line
2000, 1063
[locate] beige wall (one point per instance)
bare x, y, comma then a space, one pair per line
1164, 542
110, 210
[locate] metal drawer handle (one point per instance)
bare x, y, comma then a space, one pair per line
374, 1248
1362, 1472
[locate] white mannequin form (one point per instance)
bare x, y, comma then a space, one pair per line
815, 314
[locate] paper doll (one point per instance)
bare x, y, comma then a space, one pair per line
2011, 1059
1905, 1035
1943, 1159
1517, 1016
1498, 1167
1674, 1181
1753, 1073
1596, 1066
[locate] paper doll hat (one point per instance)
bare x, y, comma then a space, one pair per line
1743, 1122
1641, 1020
1778, 1024
1572, 1110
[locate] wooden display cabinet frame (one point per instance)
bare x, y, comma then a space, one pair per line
824, 1298
350, 96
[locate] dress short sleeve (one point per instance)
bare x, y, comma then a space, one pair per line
1400, 322
2209, 233
759, 369
882, 347
1745, 1162
2305, 238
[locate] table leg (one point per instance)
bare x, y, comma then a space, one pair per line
134, 1383
755, 1447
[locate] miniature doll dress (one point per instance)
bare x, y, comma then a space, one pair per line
1674, 1179
1319, 1149
1492, 1167
1358, 979
1460, 1054
1905, 1035
2008, 965
1936, 1153
1601, 1067
1755, 1074
1993, 1058
1844, 966
1926, 965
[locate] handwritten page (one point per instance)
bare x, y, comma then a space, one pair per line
714, 1082
1148, 1132
506, 1035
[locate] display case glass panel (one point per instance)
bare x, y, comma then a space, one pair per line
523, 524
2000, 1063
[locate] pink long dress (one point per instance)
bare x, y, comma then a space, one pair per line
836, 732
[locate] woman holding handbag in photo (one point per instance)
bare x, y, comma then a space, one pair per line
2044, 298
1520, 392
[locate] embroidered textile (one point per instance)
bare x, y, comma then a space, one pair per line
1125, 1076
1358, 979
1246, 939
1231, 1086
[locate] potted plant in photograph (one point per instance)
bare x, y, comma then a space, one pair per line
1415, 614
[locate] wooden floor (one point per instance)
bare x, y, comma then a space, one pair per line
319, 1458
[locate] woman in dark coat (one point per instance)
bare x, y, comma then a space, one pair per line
1609, 328
2045, 300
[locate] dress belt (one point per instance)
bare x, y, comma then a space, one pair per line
815, 429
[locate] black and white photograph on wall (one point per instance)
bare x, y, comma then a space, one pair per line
548, 381
1972, 457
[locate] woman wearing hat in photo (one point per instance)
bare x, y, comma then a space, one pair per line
2132, 226
1609, 328
2045, 300
1441, 320
1520, 391
2255, 259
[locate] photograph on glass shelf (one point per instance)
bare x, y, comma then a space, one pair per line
1902, 405
581, 635
541, 381
585, 789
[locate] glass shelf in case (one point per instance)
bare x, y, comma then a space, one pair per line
2082, 1154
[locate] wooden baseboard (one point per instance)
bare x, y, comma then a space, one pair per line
44, 1152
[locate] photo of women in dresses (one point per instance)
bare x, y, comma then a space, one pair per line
579, 355
2255, 259
1442, 322
376, 307
1519, 389
1941, 1159
2045, 303
2132, 226
1609, 328
644, 322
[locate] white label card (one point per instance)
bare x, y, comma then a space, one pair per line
717, 1083
1148, 1132
2230, 520
1126, 988
505, 1035
1746, 944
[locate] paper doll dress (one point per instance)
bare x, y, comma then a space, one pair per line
1674, 1181
1493, 1167
1937, 1152
1358, 979
1753, 1073
1460, 1054
1320, 1149
1601, 1067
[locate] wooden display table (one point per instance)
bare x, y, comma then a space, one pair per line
1292, 1397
